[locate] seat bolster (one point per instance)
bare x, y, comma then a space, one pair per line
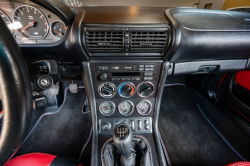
31, 159
240, 163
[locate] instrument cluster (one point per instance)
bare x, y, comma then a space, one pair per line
32, 24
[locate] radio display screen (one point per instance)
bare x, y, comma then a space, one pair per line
126, 74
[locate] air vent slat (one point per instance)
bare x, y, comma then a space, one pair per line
105, 41
152, 41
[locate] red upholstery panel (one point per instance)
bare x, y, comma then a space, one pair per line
241, 163
31, 159
243, 78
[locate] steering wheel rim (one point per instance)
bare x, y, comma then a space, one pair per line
15, 93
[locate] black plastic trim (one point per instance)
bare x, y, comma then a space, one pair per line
76, 37
219, 66
90, 91
160, 151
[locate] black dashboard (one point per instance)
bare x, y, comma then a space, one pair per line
124, 54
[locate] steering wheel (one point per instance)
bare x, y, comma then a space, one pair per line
15, 93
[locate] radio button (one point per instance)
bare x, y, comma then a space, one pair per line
149, 65
128, 67
141, 66
136, 78
103, 67
115, 68
149, 69
135, 67
148, 78
126, 79
141, 69
150, 73
116, 79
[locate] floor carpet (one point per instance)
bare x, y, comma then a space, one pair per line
63, 133
188, 137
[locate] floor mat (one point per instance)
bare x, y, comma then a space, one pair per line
188, 137
63, 133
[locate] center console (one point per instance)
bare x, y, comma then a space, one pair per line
125, 91
124, 80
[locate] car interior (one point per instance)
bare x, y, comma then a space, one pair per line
96, 85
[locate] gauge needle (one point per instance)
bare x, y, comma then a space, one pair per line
58, 32
27, 26
123, 109
141, 108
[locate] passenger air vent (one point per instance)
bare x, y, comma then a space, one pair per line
105, 41
151, 41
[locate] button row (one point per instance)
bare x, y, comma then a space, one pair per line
131, 67
132, 79
126, 79
138, 125
132, 123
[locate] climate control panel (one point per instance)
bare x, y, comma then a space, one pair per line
125, 89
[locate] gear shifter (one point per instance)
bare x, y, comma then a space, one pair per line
127, 151
122, 137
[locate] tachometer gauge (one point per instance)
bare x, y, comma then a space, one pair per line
34, 23
144, 107
107, 108
5, 18
126, 107
58, 29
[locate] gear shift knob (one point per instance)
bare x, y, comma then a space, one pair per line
122, 137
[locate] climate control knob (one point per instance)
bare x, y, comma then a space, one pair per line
126, 89
145, 89
107, 90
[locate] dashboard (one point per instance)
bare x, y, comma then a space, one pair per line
32, 24
124, 55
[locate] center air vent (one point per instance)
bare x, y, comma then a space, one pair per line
105, 41
153, 41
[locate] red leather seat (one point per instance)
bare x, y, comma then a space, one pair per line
241, 163
42, 159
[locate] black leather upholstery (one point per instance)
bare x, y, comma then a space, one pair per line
64, 161
15, 89
141, 154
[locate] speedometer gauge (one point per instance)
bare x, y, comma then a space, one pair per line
34, 23
5, 18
